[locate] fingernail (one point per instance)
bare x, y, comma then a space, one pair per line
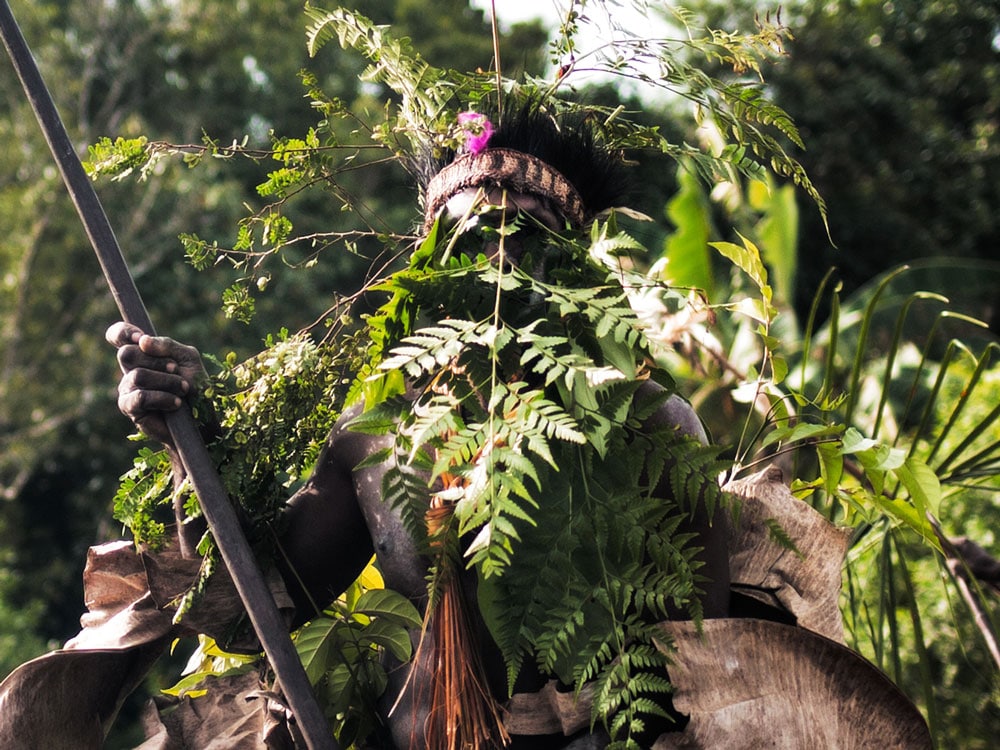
171, 366
177, 403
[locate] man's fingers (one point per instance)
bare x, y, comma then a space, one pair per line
120, 334
131, 357
145, 379
144, 395
162, 346
146, 409
138, 404
125, 334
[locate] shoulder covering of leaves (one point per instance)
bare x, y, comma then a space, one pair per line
526, 415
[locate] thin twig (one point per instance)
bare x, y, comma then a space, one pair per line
496, 54
956, 564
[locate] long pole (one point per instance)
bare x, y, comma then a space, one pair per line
233, 546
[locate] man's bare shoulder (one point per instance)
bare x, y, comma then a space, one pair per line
675, 412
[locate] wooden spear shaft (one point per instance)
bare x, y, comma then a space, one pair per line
233, 546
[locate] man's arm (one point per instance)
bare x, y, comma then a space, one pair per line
324, 543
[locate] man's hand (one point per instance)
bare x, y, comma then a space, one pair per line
159, 373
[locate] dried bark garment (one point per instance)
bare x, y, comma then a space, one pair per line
757, 684
745, 683
67, 699
804, 582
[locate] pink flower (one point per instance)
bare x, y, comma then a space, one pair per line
477, 130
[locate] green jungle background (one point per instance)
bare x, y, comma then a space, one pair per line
898, 104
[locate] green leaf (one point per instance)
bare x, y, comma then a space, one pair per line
904, 512
748, 259
800, 431
831, 464
389, 605
778, 231
620, 355
855, 442
687, 261
779, 369
381, 419
922, 484
313, 646
390, 635
118, 159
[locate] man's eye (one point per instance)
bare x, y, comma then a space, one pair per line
494, 216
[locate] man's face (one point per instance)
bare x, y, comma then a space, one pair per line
495, 207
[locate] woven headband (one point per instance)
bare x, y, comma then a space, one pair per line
501, 167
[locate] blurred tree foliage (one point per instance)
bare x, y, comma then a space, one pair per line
899, 105
177, 71
957, 664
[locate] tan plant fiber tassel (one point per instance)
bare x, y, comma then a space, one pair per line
463, 713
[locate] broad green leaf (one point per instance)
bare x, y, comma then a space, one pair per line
390, 635
754, 309
390, 605
687, 261
875, 455
619, 355
779, 369
371, 578
922, 484
382, 386
188, 686
855, 442
831, 465
747, 258
778, 232
801, 431
313, 645
907, 514
340, 687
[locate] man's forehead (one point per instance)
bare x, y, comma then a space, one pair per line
519, 173
469, 201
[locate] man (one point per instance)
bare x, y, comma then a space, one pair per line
529, 173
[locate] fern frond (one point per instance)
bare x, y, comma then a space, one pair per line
462, 447
747, 102
425, 91
780, 537
625, 690
534, 412
431, 348
404, 487
572, 564
434, 419
694, 474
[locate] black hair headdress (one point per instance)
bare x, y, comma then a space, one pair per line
557, 157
